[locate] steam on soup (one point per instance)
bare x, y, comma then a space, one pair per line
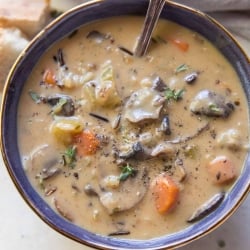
119, 144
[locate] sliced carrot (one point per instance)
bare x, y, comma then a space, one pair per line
86, 143
165, 192
182, 45
222, 170
49, 77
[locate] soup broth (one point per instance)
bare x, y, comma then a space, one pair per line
133, 147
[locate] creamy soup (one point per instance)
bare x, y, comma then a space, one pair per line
133, 147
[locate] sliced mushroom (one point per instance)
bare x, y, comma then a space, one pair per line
164, 148
62, 211
116, 121
209, 103
191, 78
89, 190
119, 232
49, 170
231, 139
129, 193
62, 104
136, 152
45, 161
180, 172
159, 84
165, 125
143, 104
207, 208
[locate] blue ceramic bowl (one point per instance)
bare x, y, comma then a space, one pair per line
62, 27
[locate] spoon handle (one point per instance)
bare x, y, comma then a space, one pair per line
154, 10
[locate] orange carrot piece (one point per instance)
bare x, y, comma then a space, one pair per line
221, 169
165, 192
49, 77
182, 45
86, 143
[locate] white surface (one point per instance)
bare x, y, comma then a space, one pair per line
21, 229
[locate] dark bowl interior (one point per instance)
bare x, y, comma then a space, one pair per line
62, 27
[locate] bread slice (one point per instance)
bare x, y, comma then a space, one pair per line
12, 42
27, 15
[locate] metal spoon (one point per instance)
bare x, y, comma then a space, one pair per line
154, 10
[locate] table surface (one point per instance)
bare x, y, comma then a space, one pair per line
21, 229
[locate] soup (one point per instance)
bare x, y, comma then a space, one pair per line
133, 147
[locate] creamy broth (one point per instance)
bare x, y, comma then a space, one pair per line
143, 118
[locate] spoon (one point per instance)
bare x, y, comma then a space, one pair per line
153, 13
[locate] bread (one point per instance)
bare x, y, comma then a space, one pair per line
27, 15
12, 42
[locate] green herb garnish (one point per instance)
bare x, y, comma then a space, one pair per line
35, 97
181, 68
69, 157
172, 94
127, 171
213, 107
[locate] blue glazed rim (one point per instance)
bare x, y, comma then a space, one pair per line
72, 20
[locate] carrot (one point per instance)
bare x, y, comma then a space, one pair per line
86, 143
182, 45
165, 192
221, 169
49, 77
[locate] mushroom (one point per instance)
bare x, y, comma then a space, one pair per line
45, 161
207, 208
136, 152
191, 78
143, 104
159, 85
209, 103
163, 148
231, 139
165, 125
129, 193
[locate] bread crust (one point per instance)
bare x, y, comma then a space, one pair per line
12, 42
29, 16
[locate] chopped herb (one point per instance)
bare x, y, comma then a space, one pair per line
127, 171
69, 157
181, 68
172, 94
35, 97
213, 107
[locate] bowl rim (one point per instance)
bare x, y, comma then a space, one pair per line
81, 235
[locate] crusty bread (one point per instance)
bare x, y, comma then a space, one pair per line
27, 15
12, 42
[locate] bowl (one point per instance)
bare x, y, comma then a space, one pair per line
63, 26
